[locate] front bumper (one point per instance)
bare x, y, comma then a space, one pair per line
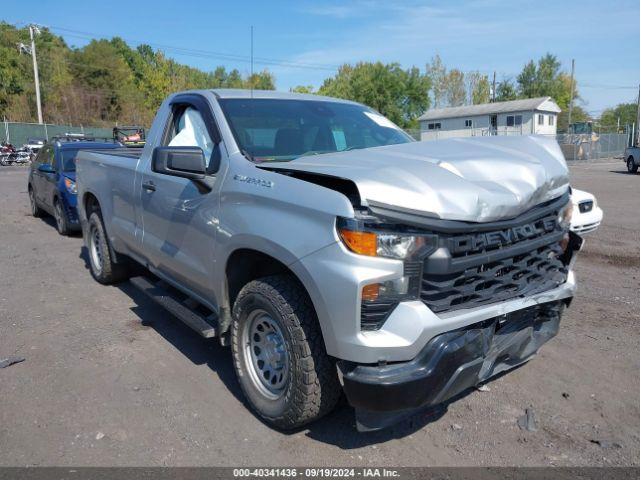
582, 223
449, 364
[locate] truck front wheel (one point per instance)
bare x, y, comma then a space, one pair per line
102, 266
279, 354
631, 166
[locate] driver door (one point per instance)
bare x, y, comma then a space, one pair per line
179, 217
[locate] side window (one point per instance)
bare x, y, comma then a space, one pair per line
510, 120
540, 119
45, 156
52, 158
41, 154
189, 130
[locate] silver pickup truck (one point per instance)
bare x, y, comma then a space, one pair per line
632, 158
334, 253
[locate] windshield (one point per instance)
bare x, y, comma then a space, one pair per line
280, 130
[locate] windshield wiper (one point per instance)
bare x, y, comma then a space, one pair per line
314, 152
247, 155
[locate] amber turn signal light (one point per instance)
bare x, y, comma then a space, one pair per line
364, 243
371, 292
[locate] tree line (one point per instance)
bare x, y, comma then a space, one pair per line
107, 81
102, 83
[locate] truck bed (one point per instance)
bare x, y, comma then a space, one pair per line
134, 153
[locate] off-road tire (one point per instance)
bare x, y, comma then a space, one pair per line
108, 272
60, 216
631, 166
313, 388
36, 211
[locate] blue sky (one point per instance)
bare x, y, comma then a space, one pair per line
303, 42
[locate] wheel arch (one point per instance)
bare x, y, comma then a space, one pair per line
90, 203
247, 263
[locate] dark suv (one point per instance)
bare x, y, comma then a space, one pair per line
52, 179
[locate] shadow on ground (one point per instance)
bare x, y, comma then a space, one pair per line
338, 428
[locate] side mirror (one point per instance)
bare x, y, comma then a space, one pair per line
46, 168
186, 162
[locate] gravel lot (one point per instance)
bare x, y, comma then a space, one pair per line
112, 379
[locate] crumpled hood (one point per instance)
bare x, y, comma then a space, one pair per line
479, 179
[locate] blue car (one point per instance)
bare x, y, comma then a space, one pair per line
52, 179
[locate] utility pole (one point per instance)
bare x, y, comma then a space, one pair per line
573, 67
251, 75
637, 137
33, 30
493, 90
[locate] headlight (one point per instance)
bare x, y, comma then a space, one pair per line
71, 185
372, 238
368, 240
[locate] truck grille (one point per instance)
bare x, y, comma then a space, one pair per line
495, 266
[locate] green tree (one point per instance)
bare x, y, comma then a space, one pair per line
437, 72
545, 79
527, 87
622, 114
101, 83
401, 95
456, 91
261, 81
478, 88
302, 89
506, 90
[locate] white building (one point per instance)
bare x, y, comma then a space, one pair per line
515, 117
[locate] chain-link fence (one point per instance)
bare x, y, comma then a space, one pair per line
18, 133
592, 146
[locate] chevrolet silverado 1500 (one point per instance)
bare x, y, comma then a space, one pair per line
334, 253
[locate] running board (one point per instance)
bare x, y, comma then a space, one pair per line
185, 310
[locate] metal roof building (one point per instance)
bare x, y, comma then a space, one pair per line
514, 117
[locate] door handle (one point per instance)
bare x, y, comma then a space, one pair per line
149, 186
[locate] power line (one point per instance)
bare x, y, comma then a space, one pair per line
203, 53
608, 87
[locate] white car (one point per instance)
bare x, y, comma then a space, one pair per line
586, 215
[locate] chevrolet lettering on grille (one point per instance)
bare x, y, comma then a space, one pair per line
479, 241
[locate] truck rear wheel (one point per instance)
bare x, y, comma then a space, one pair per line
279, 355
631, 166
101, 264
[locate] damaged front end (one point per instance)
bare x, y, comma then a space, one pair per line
471, 268
450, 364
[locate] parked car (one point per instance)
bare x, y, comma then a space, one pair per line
330, 250
632, 158
587, 215
9, 155
52, 180
35, 144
